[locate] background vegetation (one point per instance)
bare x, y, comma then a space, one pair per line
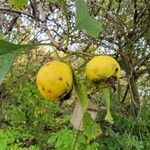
73, 31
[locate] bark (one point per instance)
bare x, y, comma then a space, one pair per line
131, 80
134, 89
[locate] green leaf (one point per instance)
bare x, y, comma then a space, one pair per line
6, 138
84, 21
18, 4
106, 94
81, 92
91, 128
8, 52
53, 1
6, 61
6, 47
63, 139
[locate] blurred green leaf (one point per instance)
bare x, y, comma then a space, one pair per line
63, 139
53, 1
6, 61
81, 92
6, 47
84, 21
8, 52
91, 128
6, 138
106, 95
18, 4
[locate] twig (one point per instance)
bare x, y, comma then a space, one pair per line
76, 140
77, 136
66, 14
15, 11
136, 120
125, 94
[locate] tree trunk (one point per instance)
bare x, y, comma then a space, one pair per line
134, 89
131, 80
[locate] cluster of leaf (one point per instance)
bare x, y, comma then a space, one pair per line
26, 116
123, 137
83, 20
30, 122
16, 5
26, 112
64, 139
127, 132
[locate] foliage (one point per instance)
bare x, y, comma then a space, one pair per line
27, 121
91, 129
63, 139
30, 122
84, 21
53, 1
81, 92
8, 52
6, 61
18, 5
124, 141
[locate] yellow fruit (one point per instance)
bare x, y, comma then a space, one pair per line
54, 80
101, 68
107, 70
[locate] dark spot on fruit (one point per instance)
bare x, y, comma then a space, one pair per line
49, 91
60, 78
67, 83
43, 89
116, 69
98, 75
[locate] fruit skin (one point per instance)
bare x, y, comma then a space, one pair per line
106, 71
54, 80
102, 68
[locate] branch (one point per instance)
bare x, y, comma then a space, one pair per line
12, 23
135, 12
54, 43
34, 7
125, 94
119, 6
3, 9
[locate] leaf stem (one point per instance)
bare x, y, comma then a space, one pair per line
76, 138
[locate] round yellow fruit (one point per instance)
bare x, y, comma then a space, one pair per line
102, 68
54, 80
